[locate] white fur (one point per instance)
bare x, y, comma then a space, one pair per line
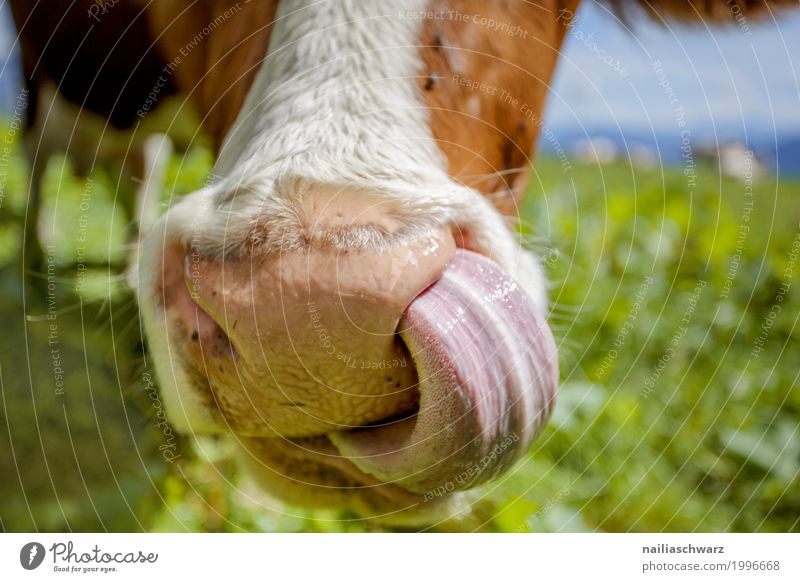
336, 104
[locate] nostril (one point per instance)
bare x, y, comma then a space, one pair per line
463, 238
182, 296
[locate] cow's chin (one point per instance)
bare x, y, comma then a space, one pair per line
449, 398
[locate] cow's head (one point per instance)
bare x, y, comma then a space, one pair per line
348, 296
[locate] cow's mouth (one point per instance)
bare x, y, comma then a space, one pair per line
475, 384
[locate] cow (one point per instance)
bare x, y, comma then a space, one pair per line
347, 298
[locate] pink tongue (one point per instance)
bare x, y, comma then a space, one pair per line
488, 373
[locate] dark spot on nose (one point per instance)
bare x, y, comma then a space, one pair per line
195, 335
438, 41
213, 293
430, 82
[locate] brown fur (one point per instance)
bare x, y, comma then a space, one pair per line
702, 11
488, 134
218, 73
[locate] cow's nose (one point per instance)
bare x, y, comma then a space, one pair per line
304, 342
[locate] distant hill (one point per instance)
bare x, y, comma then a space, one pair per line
775, 152
789, 156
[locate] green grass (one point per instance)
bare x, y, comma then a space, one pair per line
667, 419
708, 438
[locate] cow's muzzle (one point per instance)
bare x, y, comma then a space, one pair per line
418, 368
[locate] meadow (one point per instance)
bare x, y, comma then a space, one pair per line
675, 307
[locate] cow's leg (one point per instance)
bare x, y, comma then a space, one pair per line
32, 252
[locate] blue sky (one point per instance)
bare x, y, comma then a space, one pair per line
8, 70
728, 82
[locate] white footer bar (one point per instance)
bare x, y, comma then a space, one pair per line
402, 557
